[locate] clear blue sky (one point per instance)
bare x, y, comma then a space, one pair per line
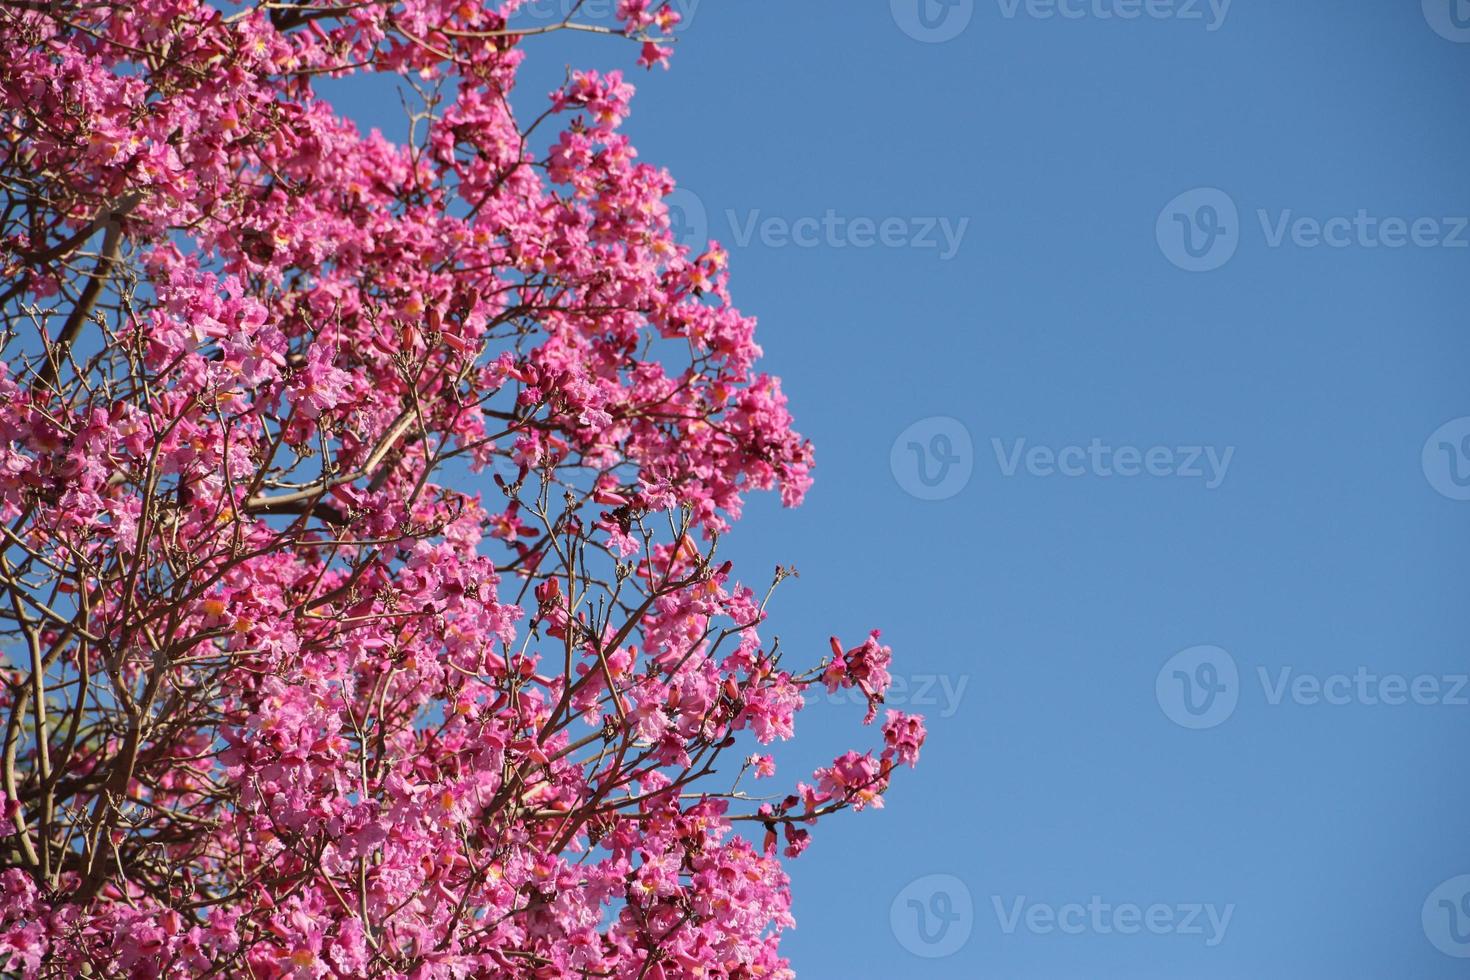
1321, 539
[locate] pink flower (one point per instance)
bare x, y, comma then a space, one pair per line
903, 736
320, 387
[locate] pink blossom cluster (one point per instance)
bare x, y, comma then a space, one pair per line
283, 698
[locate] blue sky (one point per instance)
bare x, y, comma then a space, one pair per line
1132, 339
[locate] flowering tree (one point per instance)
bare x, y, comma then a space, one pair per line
278, 698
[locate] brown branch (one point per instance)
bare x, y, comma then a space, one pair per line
111, 242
